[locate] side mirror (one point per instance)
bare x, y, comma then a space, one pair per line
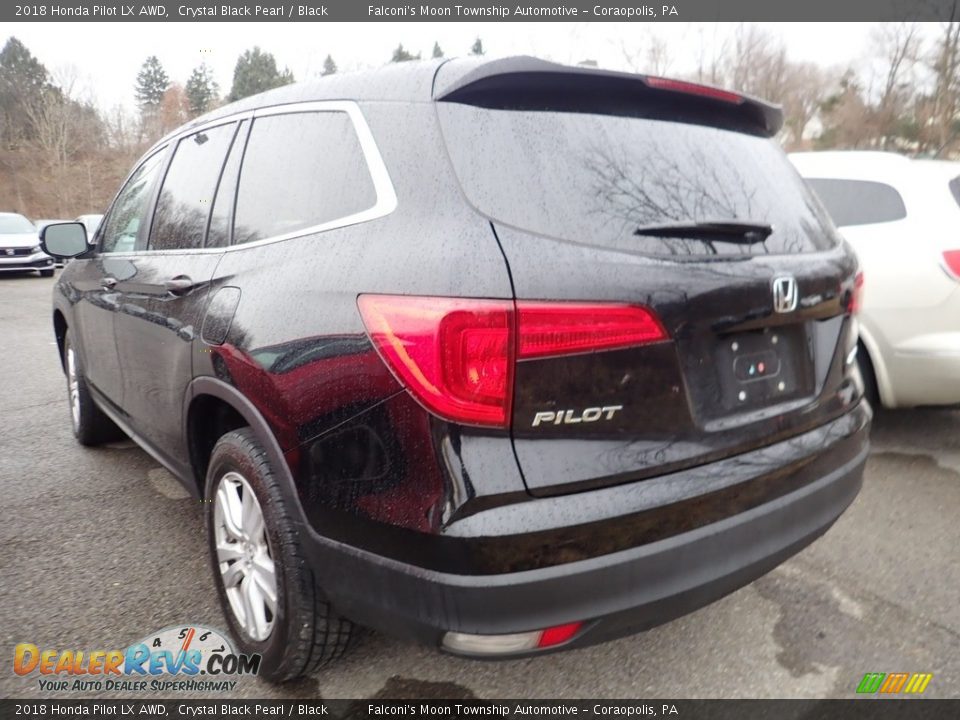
64, 240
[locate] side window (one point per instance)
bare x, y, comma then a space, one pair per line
859, 202
218, 235
122, 226
955, 189
300, 170
186, 196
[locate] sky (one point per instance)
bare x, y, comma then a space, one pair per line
104, 57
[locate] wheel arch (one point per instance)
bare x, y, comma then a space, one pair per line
213, 395
60, 331
880, 373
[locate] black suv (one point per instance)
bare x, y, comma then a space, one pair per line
502, 356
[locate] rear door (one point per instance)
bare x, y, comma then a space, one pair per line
583, 200
162, 300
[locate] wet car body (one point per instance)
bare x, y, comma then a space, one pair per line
657, 477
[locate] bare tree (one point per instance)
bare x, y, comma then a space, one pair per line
944, 106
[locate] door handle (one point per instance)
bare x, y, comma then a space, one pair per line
179, 285
108, 283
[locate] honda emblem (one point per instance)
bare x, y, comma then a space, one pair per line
785, 295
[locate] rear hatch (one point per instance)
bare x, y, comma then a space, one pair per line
613, 188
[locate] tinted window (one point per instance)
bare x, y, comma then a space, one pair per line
123, 225
300, 170
218, 235
955, 189
859, 202
186, 196
597, 178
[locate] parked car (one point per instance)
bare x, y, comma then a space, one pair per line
20, 246
505, 357
901, 216
41, 224
91, 223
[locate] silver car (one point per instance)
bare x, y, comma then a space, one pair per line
20, 246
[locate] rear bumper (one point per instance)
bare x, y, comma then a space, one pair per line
622, 592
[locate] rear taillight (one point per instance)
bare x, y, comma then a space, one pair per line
690, 88
457, 355
952, 260
856, 297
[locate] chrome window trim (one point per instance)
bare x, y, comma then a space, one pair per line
386, 196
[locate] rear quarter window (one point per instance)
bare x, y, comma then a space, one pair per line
955, 189
859, 202
300, 171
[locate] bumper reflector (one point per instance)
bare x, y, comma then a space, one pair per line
511, 643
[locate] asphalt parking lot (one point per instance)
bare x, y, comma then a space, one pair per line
101, 547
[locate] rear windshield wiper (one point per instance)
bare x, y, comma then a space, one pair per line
733, 231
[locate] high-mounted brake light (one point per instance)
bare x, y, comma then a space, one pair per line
693, 89
952, 260
457, 355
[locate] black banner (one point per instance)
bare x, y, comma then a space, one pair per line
474, 11
878, 709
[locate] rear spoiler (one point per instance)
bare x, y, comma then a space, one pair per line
530, 84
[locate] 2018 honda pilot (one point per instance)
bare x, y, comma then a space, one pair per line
502, 356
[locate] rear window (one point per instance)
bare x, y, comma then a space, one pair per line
597, 178
859, 202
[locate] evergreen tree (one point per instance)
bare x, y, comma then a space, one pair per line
402, 55
23, 80
255, 72
437, 52
477, 47
329, 66
201, 90
152, 83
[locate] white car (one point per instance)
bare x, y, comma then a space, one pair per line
91, 223
902, 217
20, 246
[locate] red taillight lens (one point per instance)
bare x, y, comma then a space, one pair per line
453, 354
952, 260
856, 297
693, 89
558, 635
550, 329
456, 355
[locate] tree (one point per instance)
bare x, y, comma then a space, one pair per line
944, 107
477, 47
329, 66
400, 54
22, 80
152, 83
201, 90
255, 72
174, 108
437, 52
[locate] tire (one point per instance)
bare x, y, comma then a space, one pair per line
46, 273
90, 425
870, 390
301, 633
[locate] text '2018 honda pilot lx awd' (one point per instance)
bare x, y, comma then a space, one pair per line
504, 357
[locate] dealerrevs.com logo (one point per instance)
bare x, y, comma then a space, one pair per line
188, 658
